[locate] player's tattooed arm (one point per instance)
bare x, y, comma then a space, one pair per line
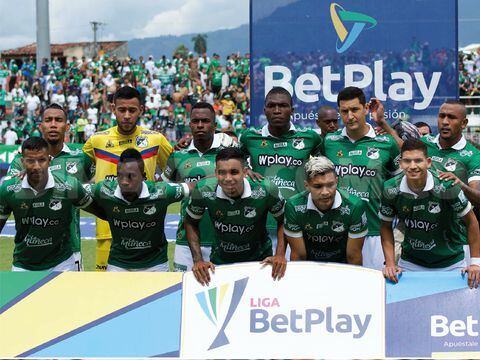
200, 267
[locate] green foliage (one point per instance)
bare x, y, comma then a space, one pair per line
200, 43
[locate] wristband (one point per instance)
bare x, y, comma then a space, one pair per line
475, 261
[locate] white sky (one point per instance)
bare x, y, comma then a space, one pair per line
125, 20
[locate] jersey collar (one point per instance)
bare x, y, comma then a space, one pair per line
247, 191
336, 203
428, 185
458, 146
215, 144
266, 132
50, 183
370, 133
66, 149
143, 194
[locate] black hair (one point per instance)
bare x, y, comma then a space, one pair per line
34, 143
414, 144
127, 92
420, 124
279, 90
459, 103
131, 154
203, 105
350, 93
230, 153
56, 107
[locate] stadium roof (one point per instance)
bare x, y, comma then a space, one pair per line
58, 49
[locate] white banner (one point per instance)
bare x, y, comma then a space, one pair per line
316, 311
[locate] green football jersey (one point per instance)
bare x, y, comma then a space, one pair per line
325, 233
362, 167
280, 159
463, 159
138, 237
189, 165
434, 235
42, 238
69, 162
240, 225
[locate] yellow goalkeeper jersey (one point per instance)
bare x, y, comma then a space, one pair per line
104, 148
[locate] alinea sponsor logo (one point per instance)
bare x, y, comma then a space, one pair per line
441, 326
219, 305
33, 241
276, 159
132, 244
356, 170
40, 221
416, 224
131, 224
364, 195
282, 183
421, 245
268, 315
233, 228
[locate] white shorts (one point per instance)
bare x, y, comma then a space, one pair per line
66, 265
372, 253
408, 266
182, 260
157, 268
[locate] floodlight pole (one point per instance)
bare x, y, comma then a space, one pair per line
43, 32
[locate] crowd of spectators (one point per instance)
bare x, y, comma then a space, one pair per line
85, 88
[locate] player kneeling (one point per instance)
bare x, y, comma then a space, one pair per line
42, 205
135, 210
324, 223
432, 211
238, 208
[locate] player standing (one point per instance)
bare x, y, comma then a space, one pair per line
104, 148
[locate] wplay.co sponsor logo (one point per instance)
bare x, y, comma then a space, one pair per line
212, 301
340, 17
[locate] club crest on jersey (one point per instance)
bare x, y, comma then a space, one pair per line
71, 167
298, 144
433, 207
451, 165
109, 144
55, 204
373, 153
141, 141
338, 226
249, 212
149, 209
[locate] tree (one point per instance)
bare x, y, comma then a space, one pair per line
181, 50
200, 43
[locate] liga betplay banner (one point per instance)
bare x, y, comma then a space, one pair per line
403, 52
316, 311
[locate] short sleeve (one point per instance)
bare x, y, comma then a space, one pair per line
15, 167
196, 204
170, 169
292, 224
175, 192
358, 226
81, 196
459, 202
275, 201
393, 165
387, 209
